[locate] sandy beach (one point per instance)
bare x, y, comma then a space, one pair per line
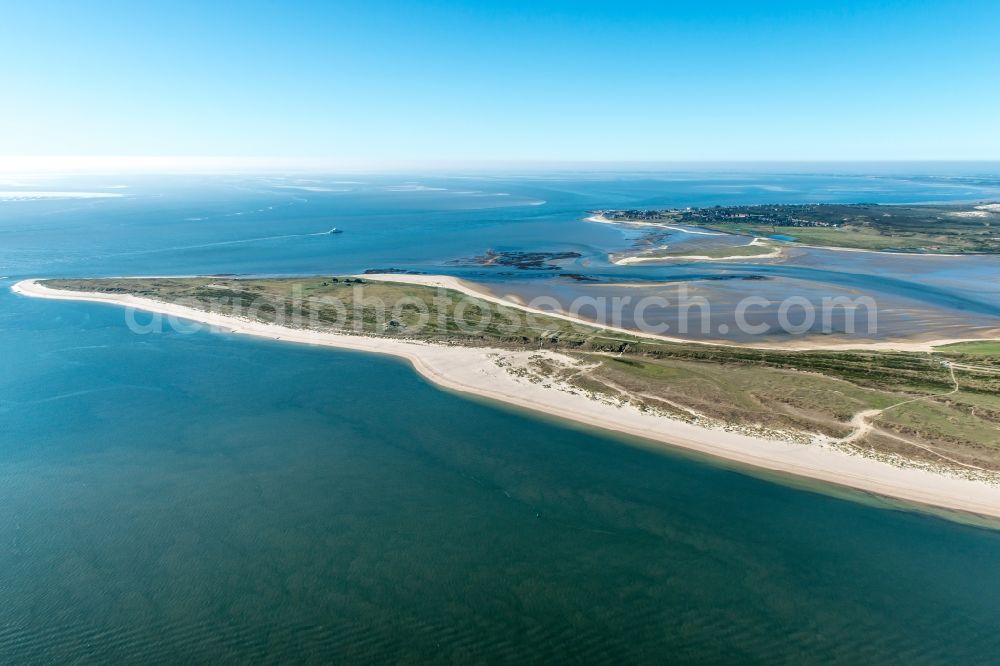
775, 253
600, 219
484, 372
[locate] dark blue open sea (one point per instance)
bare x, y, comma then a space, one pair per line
181, 498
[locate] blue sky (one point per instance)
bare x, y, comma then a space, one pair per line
406, 81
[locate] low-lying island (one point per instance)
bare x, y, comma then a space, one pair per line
919, 427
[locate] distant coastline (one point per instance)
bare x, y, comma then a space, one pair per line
946, 229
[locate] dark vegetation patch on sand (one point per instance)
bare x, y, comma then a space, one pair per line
520, 260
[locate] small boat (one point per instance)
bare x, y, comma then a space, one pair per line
335, 230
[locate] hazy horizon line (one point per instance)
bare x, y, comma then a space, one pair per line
206, 164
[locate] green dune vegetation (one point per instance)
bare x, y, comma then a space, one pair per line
980, 348
939, 409
933, 229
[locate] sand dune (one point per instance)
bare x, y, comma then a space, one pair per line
484, 372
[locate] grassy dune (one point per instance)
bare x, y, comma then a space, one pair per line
954, 421
983, 348
852, 237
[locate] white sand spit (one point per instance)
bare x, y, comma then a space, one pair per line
484, 372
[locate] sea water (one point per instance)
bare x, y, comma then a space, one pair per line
212, 497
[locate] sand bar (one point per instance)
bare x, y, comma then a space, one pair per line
478, 291
775, 253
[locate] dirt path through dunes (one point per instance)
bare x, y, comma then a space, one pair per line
862, 422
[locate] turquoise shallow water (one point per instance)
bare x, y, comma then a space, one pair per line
209, 497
